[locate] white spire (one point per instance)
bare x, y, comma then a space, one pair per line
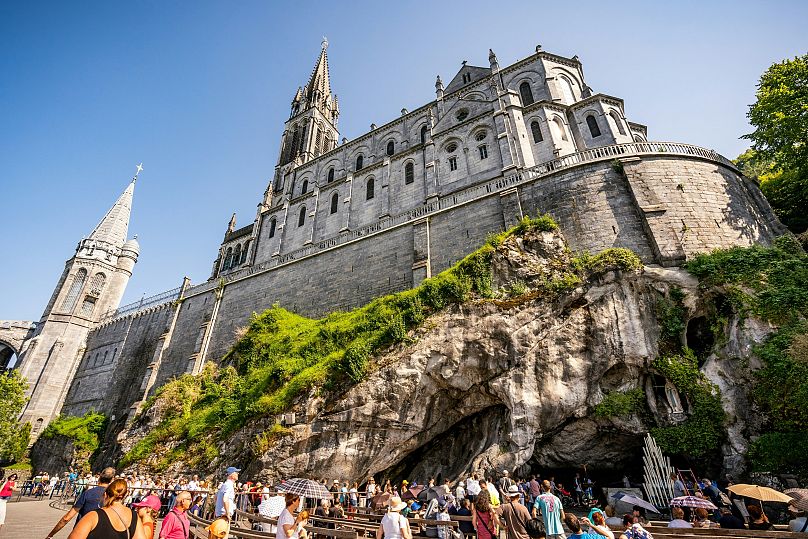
114, 227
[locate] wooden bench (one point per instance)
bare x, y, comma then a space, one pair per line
663, 531
198, 526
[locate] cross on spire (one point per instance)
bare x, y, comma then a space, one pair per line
138, 170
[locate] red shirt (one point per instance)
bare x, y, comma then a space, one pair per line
175, 526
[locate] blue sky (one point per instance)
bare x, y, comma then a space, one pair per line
198, 91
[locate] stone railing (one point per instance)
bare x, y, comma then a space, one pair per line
143, 303
464, 196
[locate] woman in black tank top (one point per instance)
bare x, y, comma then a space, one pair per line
113, 521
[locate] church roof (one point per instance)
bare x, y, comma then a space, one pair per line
475, 73
115, 224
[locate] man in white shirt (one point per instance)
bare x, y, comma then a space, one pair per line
472, 487
226, 495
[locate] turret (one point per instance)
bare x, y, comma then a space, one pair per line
492, 59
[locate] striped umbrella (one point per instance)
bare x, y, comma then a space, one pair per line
692, 501
800, 498
307, 488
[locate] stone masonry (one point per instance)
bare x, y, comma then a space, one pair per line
342, 223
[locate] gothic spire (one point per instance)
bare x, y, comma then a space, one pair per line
319, 87
114, 227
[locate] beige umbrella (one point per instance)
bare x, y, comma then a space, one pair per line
764, 494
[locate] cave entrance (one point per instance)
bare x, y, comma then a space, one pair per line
451, 453
700, 338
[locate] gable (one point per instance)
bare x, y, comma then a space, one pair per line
475, 73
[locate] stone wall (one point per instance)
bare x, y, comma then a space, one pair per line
665, 208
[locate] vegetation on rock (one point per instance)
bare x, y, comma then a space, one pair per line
621, 403
85, 432
283, 356
13, 435
771, 283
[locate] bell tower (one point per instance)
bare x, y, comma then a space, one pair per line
311, 129
92, 283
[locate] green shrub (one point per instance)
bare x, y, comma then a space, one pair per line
672, 317
85, 432
780, 452
702, 433
621, 403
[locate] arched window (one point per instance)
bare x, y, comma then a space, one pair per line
526, 93
566, 89
334, 202
359, 162
228, 258
638, 138
391, 148
331, 174
618, 122
72, 296
237, 255
104, 361
535, 128
369, 193
423, 135
272, 225
301, 217
594, 129
244, 252
97, 284
557, 126
409, 173
305, 187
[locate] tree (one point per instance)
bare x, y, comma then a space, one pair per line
780, 115
13, 436
779, 155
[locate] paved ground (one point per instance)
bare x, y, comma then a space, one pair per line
32, 519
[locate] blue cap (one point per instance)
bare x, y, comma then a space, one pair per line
232, 469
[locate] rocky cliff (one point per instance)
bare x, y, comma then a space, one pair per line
560, 367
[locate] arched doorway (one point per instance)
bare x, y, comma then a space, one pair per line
8, 356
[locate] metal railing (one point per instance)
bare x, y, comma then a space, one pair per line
464, 196
143, 303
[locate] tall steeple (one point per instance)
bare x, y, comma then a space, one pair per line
92, 284
312, 126
114, 226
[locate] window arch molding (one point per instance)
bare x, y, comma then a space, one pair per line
568, 84
617, 118
638, 138
558, 127
453, 141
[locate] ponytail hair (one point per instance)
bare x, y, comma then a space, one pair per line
116, 492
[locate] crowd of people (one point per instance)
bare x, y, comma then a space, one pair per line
108, 505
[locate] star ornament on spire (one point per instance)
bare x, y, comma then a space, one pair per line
138, 170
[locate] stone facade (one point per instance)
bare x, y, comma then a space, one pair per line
340, 224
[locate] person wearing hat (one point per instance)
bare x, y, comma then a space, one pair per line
226, 495
514, 514
147, 510
393, 525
